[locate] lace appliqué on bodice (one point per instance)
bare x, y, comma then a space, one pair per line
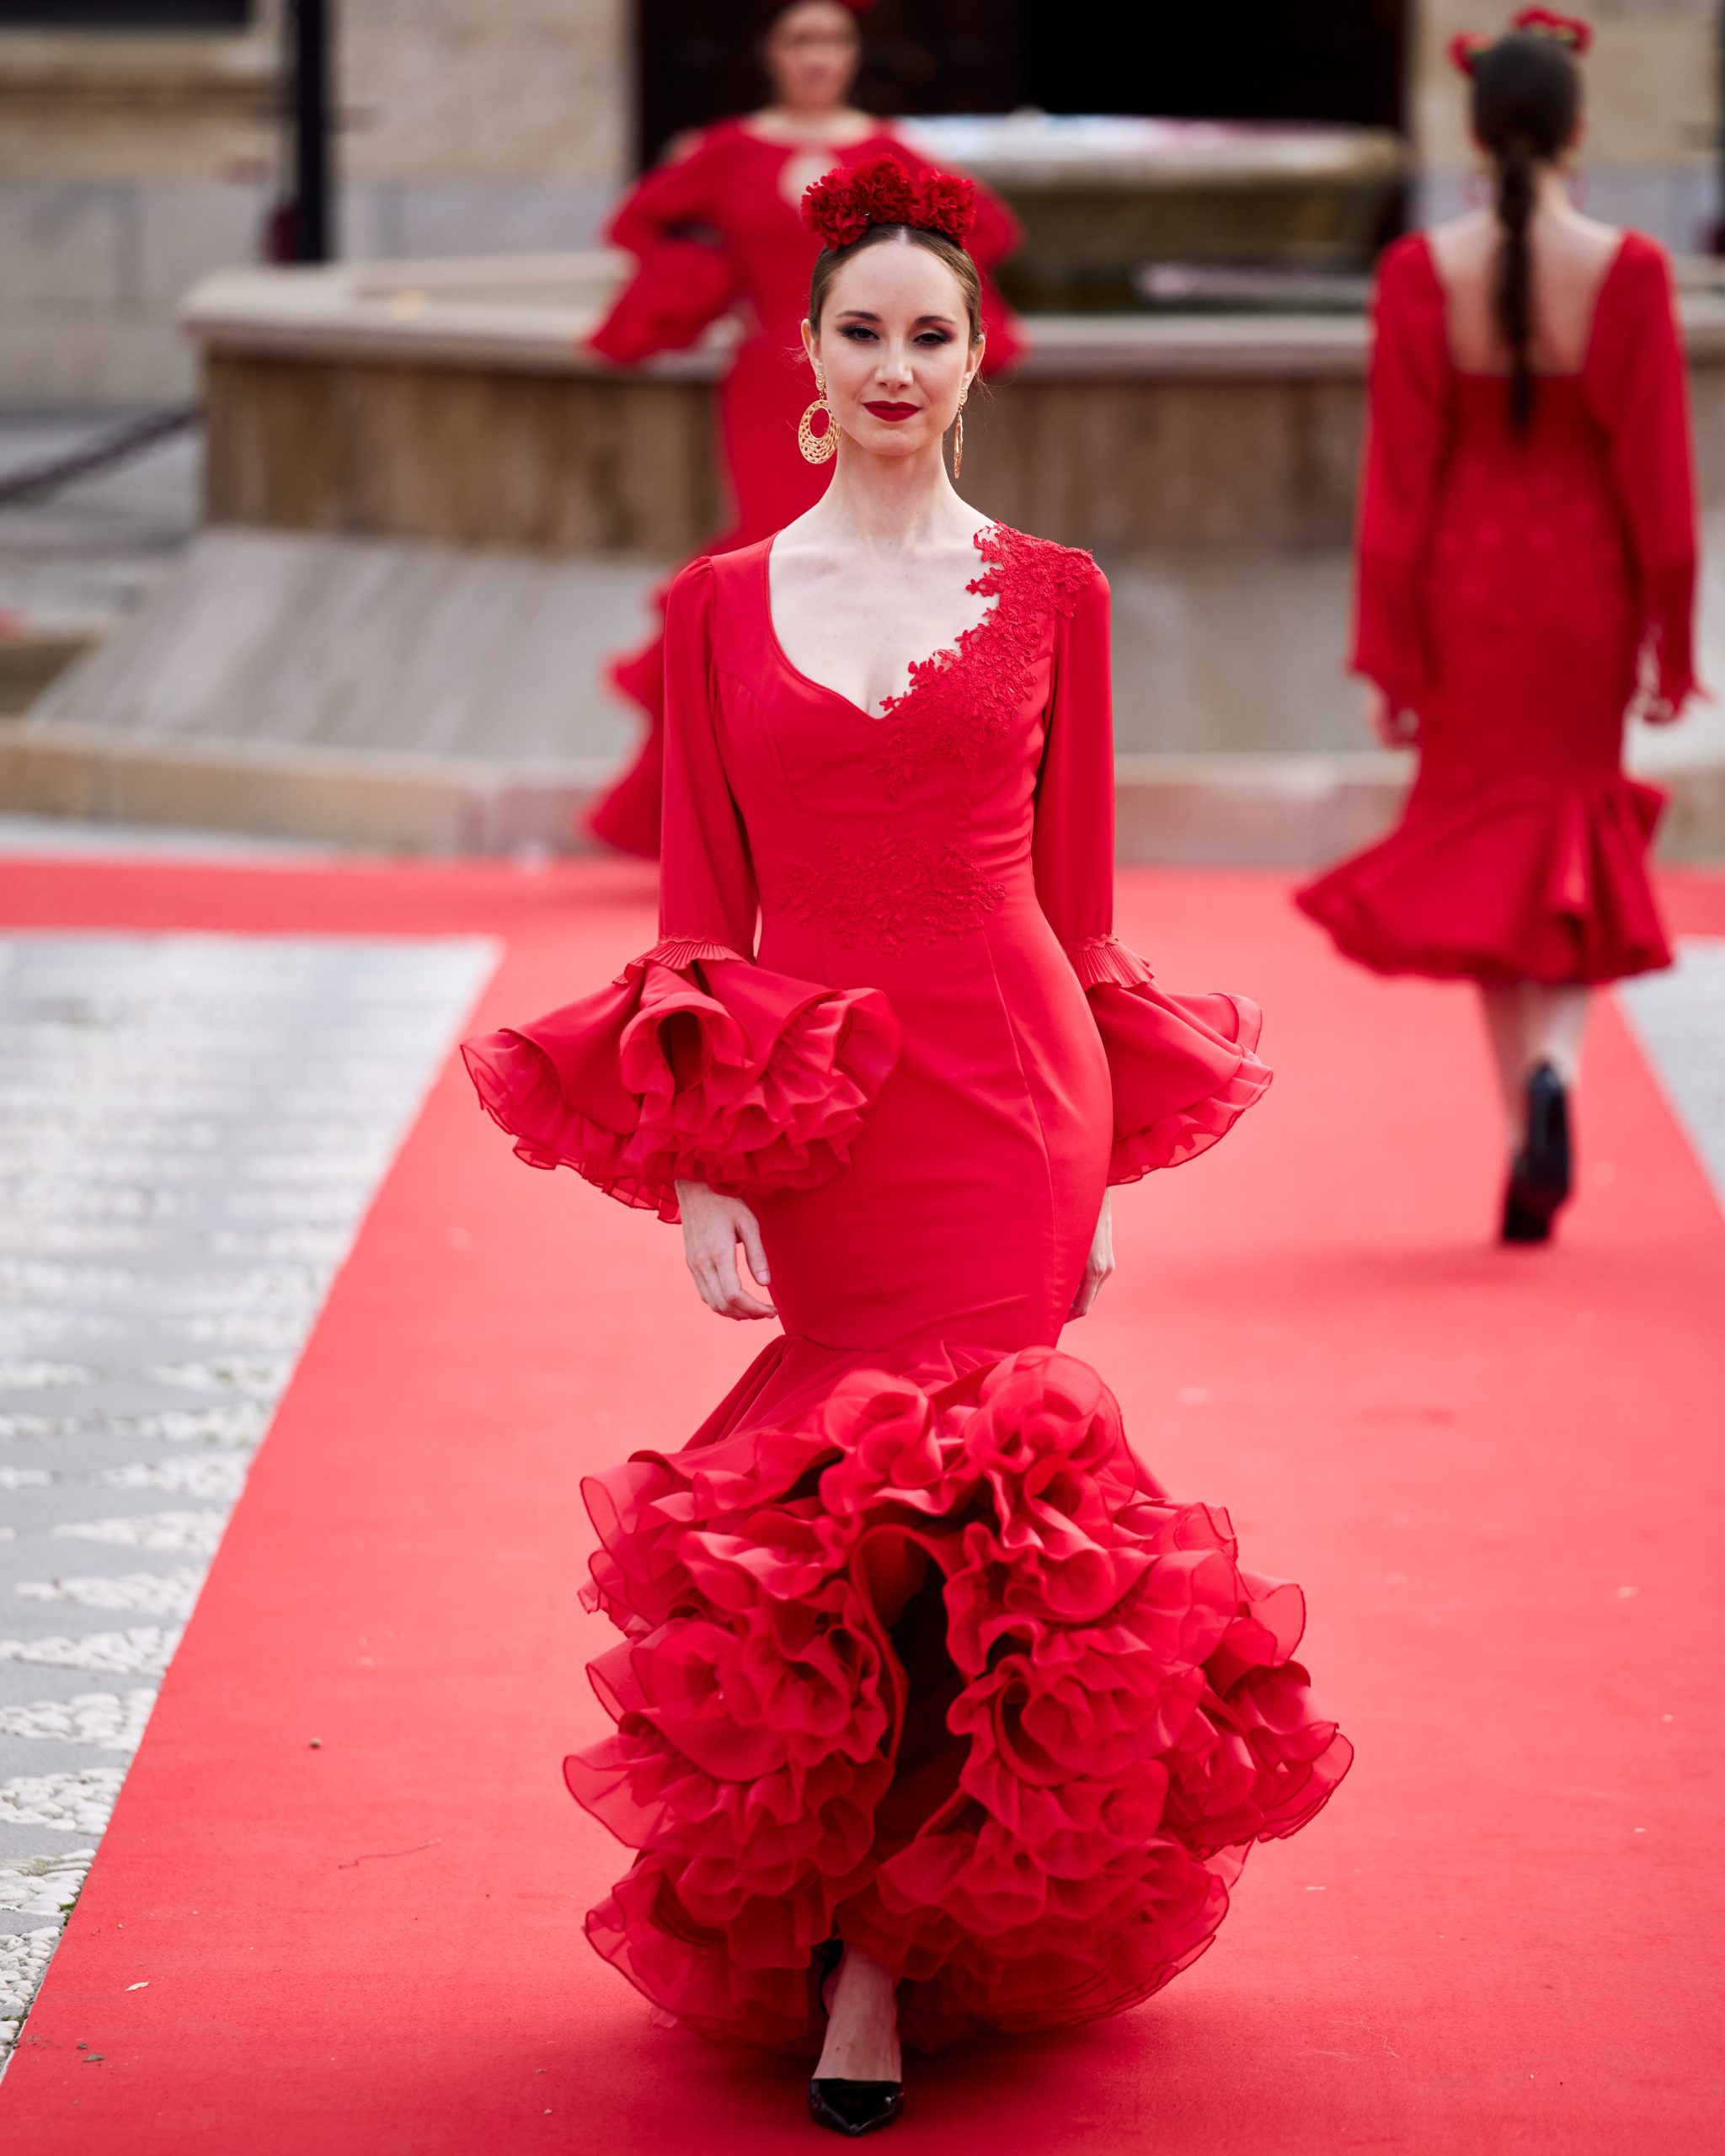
894, 888
901, 886
968, 696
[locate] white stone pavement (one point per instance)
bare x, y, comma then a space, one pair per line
191, 1128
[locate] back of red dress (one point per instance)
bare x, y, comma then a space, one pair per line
1509, 584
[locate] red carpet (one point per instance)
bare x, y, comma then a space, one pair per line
1498, 1474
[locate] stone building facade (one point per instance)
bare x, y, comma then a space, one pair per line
131, 162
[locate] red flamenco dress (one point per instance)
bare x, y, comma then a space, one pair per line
1508, 587
716, 232
917, 1654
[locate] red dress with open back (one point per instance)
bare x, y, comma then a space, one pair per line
1507, 589
714, 233
917, 1654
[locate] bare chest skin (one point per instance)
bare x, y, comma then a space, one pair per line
856, 626
1572, 256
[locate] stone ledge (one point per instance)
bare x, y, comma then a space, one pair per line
1293, 811
535, 313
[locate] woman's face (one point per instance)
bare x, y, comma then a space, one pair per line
811, 54
893, 348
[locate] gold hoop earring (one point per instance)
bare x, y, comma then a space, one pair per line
818, 448
958, 441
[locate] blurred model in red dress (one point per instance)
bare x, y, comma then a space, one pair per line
934, 1711
1526, 571
715, 229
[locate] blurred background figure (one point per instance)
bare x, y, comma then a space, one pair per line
1526, 577
715, 229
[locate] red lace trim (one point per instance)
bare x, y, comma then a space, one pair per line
1102, 958
970, 694
682, 951
894, 888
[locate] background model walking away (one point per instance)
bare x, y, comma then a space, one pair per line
1526, 572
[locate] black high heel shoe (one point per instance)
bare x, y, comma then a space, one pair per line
1542, 1173
851, 2107
855, 2107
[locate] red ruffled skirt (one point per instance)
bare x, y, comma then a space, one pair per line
1505, 879
917, 1655
931, 1664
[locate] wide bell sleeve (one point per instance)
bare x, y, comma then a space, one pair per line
684, 278
1407, 435
695, 1065
1638, 389
1183, 1067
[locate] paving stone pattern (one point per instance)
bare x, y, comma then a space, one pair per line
191, 1128
1680, 1018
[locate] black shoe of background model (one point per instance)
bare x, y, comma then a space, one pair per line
855, 2107
1543, 1172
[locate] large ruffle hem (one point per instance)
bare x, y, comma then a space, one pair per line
934, 1667
693, 1065
1506, 880
1183, 1067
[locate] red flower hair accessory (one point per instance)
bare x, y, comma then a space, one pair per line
842, 205
1575, 36
1465, 49
1562, 30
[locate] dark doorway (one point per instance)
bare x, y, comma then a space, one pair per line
695, 62
1342, 61
1326, 60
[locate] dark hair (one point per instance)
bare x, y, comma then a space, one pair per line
832, 260
767, 12
1526, 100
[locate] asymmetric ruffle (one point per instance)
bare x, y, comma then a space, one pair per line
929, 1663
693, 1065
1183, 1067
1504, 880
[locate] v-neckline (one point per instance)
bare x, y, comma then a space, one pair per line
919, 670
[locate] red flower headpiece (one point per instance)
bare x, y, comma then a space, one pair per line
1574, 36
842, 206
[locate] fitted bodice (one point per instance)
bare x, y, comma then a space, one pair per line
885, 834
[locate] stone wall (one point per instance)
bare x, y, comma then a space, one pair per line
130, 166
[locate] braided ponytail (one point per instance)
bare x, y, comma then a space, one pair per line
1526, 100
1513, 293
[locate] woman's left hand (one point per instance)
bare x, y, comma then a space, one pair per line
1101, 1261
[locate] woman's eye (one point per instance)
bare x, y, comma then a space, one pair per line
934, 337
858, 333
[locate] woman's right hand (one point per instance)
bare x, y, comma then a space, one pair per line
1393, 724
713, 1228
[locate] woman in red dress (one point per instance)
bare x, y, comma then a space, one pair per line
1526, 574
715, 229
934, 1711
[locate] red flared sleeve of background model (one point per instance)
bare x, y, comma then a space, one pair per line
1182, 1067
685, 279
1407, 437
1637, 387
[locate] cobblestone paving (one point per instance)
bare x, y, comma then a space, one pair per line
1680, 1018
191, 1128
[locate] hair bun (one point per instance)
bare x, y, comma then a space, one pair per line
843, 204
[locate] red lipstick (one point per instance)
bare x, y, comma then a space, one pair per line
893, 411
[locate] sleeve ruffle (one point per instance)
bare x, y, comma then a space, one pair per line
679, 288
1183, 1066
695, 1065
